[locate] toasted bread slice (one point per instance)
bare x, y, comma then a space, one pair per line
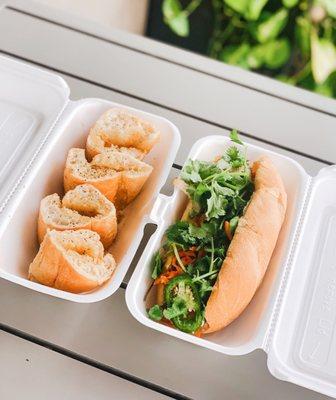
117, 175
73, 261
84, 207
117, 127
133, 151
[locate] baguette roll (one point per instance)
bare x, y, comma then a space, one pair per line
250, 250
73, 261
84, 207
133, 151
117, 175
117, 127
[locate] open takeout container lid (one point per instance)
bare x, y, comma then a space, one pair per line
30, 104
302, 338
299, 330
35, 110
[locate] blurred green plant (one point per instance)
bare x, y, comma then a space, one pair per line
291, 40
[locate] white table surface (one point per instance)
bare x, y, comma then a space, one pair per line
30, 371
70, 345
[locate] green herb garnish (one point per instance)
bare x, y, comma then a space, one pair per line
155, 313
156, 265
234, 137
222, 188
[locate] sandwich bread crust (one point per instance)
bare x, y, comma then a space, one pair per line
250, 250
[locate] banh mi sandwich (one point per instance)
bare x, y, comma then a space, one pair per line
117, 175
84, 207
213, 260
117, 127
73, 261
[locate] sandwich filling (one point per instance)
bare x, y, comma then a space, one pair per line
186, 266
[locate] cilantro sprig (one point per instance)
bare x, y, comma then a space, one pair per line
220, 188
156, 265
235, 138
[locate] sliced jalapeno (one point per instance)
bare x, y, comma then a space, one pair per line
182, 289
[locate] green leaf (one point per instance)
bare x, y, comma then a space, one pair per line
329, 6
222, 190
234, 157
198, 232
277, 53
302, 35
195, 170
254, 9
236, 54
271, 26
204, 287
198, 195
286, 79
308, 82
240, 6
325, 89
155, 313
175, 17
171, 9
234, 137
249, 9
255, 58
214, 188
179, 307
272, 54
156, 265
290, 3
323, 53
180, 25
216, 206
179, 233
233, 224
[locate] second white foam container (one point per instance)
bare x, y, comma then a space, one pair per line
292, 317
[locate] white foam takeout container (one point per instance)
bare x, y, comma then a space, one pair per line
38, 126
292, 317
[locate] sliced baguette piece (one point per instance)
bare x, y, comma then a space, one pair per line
117, 127
133, 151
84, 207
117, 175
250, 250
73, 261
